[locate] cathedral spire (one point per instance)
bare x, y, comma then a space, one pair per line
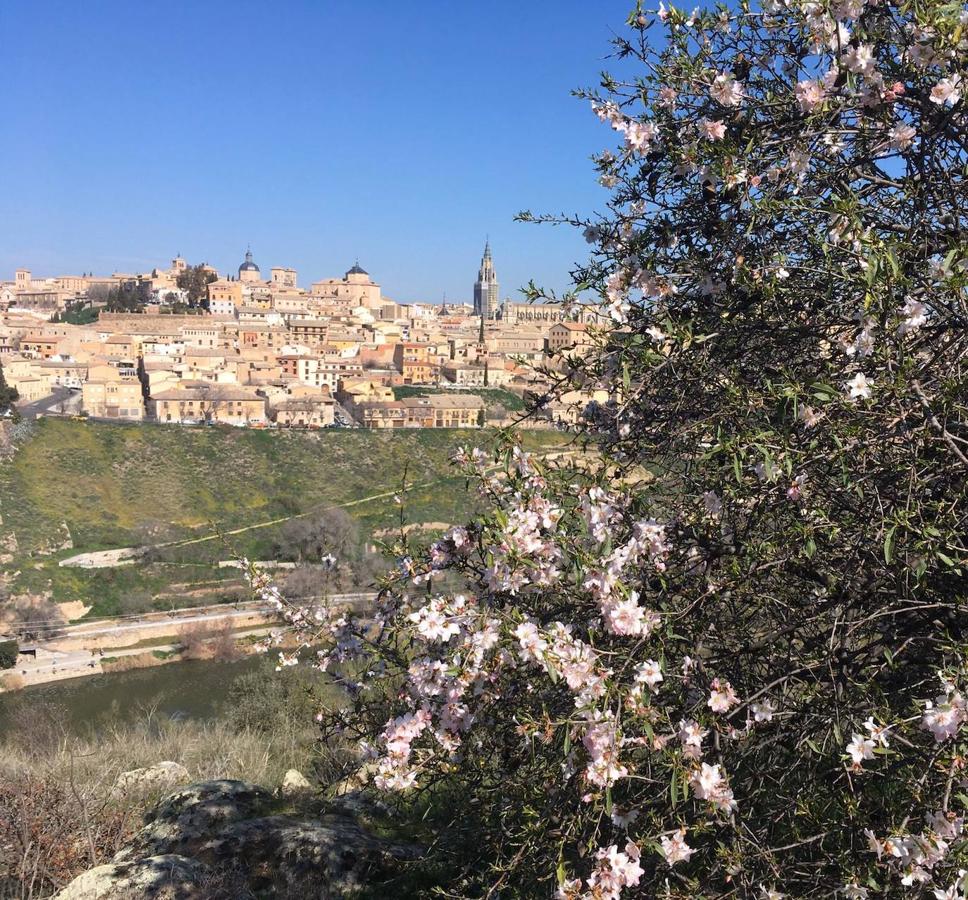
486, 288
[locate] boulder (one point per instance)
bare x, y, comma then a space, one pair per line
154, 876
163, 774
294, 782
233, 828
183, 819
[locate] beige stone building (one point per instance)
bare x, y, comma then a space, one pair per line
110, 394
435, 411
282, 277
225, 297
303, 407
195, 403
567, 336
356, 288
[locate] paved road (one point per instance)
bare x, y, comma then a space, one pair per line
51, 403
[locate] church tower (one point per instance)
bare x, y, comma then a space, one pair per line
486, 288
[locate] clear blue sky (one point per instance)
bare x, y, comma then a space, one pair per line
318, 130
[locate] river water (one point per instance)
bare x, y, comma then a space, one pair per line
195, 689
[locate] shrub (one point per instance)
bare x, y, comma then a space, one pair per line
744, 676
8, 654
200, 641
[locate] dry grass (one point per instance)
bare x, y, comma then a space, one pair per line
207, 750
12, 682
132, 661
61, 812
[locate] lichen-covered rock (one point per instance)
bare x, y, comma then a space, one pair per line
240, 828
196, 811
161, 877
163, 774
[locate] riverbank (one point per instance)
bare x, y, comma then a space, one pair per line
193, 690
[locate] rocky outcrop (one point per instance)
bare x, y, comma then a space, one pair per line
231, 832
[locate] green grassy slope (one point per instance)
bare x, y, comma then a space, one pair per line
123, 485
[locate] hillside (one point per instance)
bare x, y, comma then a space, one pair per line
105, 486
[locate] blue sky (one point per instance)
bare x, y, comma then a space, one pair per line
319, 131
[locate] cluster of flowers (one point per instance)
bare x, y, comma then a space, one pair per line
913, 856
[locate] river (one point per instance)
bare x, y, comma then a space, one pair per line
195, 689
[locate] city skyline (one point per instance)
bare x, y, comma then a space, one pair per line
372, 150
486, 277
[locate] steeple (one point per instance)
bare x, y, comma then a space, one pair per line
486, 288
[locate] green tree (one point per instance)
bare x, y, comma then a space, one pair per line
126, 298
8, 395
8, 654
195, 280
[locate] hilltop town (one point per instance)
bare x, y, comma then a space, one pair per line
189, 345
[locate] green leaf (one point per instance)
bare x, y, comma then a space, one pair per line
889, 544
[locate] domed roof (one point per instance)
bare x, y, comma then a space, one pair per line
248, 265
357, 270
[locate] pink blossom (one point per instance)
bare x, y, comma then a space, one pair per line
726, 90
721, 696
713, 129
602, 743
878, 733
626, 617
668, 97
947, 91
615, 870
709, 784
762, 712
649, 673
945, 716
914, 315
532, 645
639, 136
860, 59
902, 136
860, 749
810, 95
809, 416
859, 387
674, 847
691, 737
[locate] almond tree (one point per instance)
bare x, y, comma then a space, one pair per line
727, 656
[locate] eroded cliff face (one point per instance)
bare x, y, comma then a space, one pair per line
231, 839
